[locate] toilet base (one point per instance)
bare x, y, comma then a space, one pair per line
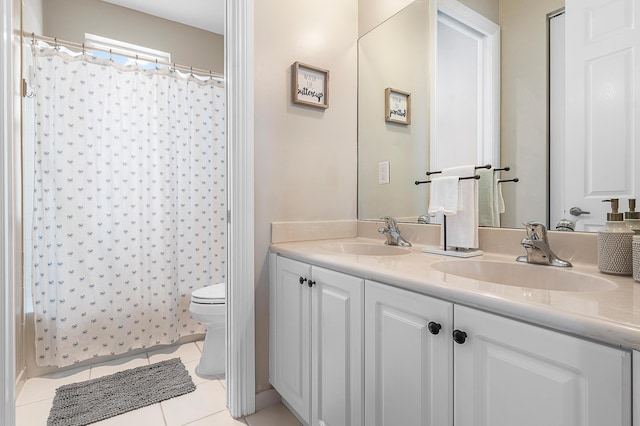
212, 360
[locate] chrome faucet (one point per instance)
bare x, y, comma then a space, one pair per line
537, 246
392, 233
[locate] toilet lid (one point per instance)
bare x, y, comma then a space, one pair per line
211, 294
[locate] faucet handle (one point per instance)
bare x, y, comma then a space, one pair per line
391, 222
536, 231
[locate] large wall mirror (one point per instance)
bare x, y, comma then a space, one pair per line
399, 54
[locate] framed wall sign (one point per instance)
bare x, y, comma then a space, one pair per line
397, 106
310, 85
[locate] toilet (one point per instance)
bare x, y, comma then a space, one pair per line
208, 306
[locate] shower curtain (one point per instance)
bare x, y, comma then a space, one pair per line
129, 213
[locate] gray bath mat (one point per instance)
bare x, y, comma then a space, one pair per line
98, 399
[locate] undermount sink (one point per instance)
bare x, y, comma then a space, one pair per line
524, 275
366, 249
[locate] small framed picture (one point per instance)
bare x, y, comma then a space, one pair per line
397, 106
310, 85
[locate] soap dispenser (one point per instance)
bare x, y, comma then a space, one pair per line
614, 244
632, 217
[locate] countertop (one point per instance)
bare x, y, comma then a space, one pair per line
610, 316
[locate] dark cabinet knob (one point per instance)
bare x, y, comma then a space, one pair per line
459, 336
311, 283
302, 280
434, 327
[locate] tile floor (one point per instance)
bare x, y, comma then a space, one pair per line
202, 407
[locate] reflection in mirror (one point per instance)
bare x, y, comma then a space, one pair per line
395, 54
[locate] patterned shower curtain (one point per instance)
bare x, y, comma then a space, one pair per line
129, 213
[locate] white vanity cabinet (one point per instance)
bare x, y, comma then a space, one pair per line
483, 369
511, 373
316, 342
408, 358
348, 352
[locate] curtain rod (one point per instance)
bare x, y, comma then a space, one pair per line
73, 44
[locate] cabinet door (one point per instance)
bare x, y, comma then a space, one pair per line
509, 373
290, 333
336, 349
408, 370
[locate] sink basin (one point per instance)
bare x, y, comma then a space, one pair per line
516, 274
366, 249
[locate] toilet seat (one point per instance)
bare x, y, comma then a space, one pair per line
210, 295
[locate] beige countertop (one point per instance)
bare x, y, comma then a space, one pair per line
610, 316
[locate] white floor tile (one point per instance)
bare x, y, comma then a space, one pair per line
208, 398
150, 415
187, 353
222, 418
116, 365
34, 414
276, 415
40, 388
191, 368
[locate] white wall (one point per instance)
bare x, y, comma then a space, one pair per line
488, 8
523, 129
33, 16
305, 157
372, 13
190, 46
395, 55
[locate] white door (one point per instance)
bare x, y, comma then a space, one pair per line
337, 360
509, 373
290, 333
408, 368
458, 96
465, 87
602, 106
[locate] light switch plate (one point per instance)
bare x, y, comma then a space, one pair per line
383, 172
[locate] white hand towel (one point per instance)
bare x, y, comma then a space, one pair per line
462, 229
488, 202
499, 198
443, 195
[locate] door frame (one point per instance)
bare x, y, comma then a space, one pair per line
241, 278
7, 203
556, 119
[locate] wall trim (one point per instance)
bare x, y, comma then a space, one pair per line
238, 63
7, 317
